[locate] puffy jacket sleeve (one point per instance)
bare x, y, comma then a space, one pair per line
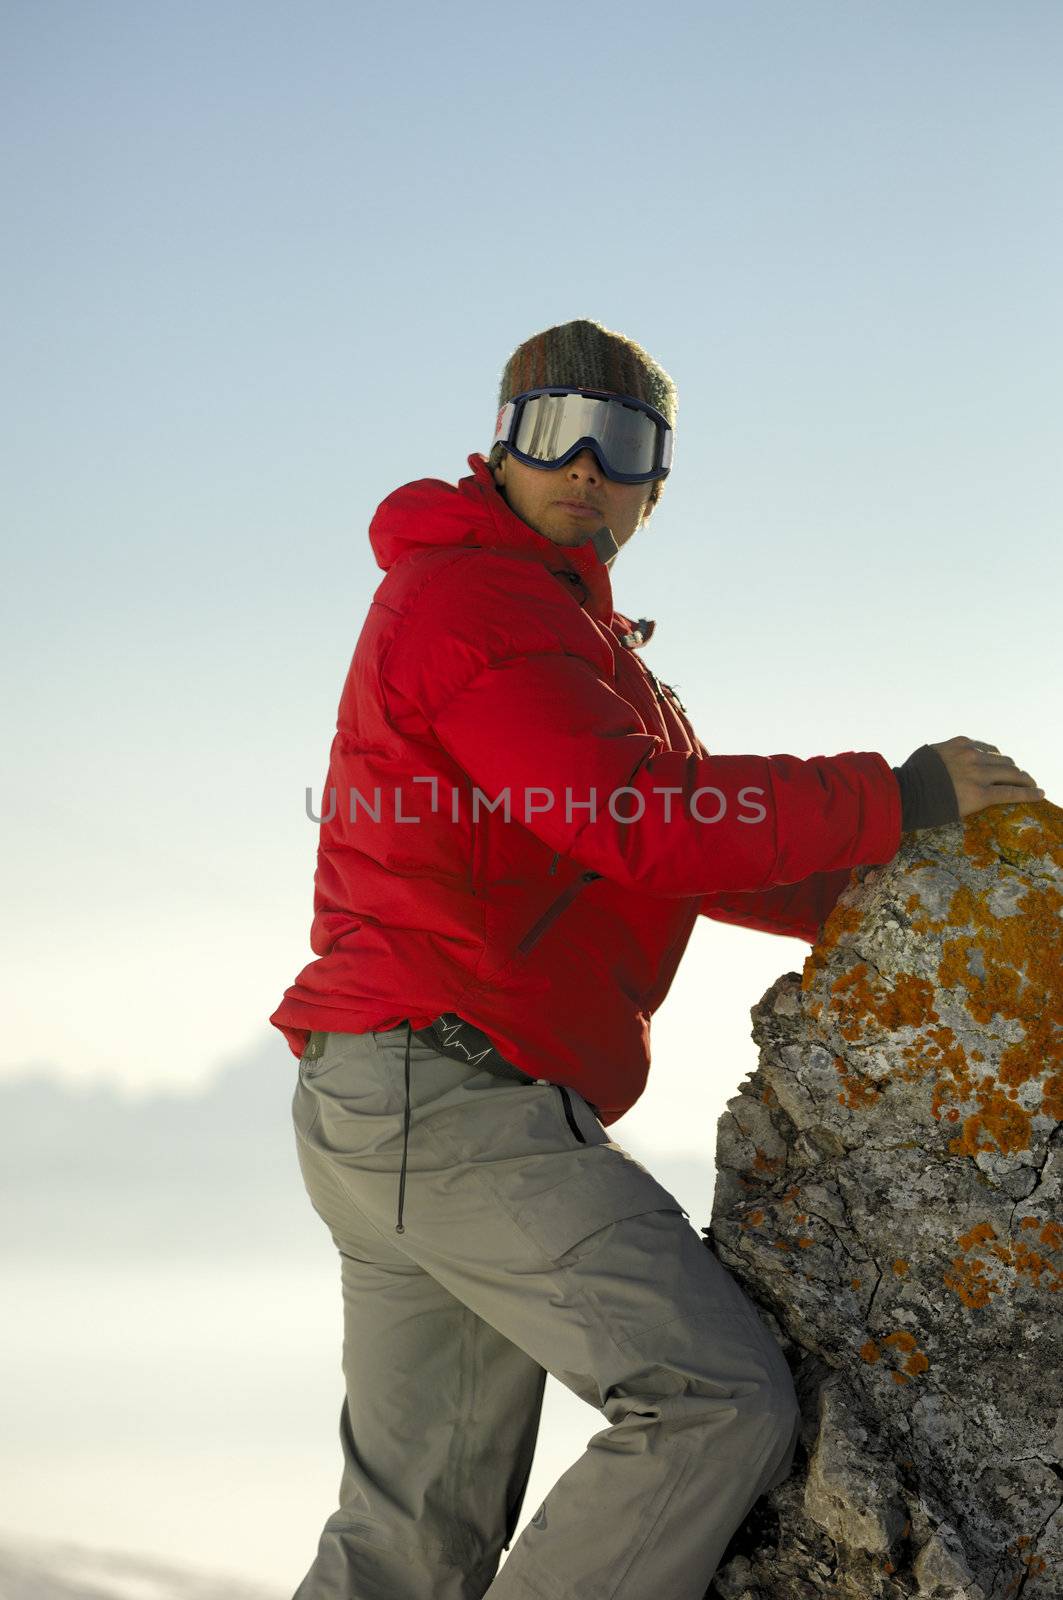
795, 909
499, 663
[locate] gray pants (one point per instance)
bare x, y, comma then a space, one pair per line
532, 1244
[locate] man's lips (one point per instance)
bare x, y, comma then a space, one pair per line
578, 505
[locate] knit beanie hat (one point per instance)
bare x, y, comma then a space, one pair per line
586, 355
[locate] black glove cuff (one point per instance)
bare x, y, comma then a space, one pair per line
928, 797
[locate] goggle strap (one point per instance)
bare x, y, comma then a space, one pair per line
504, 422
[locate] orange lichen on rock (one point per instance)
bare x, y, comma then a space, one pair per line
1052, 1235
1024, 1260
979, 1234
1052, 1096
919, 918
939, 1051
1019, 954
1007, 966
971, 1281
1010, 967
855, 1001
1034, 1266
1021, 980
843, 919
855, 1091
1021, 832
1034, 1565
903, 1340
870, 1352
998, 1124
900, 1268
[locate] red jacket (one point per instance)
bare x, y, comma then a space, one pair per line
492, 661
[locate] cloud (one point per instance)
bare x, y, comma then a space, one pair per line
36, 1570
208, 1173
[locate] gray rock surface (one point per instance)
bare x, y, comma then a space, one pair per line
888, 1194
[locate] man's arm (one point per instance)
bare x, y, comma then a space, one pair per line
515, 683
928, 799
797, 910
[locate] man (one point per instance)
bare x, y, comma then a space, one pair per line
520, 829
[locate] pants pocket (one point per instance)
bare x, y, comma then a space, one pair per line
607, 1185
566, 1102
306, 1105
580, 1117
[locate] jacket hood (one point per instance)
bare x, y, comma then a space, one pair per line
431, 513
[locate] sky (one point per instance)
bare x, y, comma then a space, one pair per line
266, 263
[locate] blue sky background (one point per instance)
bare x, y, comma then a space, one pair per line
265, 263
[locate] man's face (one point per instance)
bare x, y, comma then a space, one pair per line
536, 495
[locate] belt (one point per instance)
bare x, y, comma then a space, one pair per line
452, 1036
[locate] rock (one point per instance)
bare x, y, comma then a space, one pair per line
888, 1195
851, 1490
940, 1566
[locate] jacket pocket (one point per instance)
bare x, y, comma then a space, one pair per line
554, 910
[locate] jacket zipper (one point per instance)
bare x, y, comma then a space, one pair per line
536, 931
654, 679
660, 688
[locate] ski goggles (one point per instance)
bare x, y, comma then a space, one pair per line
547, 427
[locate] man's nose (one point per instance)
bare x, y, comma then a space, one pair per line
586, 458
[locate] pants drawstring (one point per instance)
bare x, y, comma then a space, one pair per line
406, 1128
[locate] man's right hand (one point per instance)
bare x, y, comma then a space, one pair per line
982, 777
